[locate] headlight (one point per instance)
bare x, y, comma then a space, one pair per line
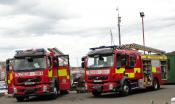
110, 86
14, 90
86, 87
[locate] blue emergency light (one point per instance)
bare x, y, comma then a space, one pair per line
31, 51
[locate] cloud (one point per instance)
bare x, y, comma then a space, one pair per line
32, 17
74, 26
8, 2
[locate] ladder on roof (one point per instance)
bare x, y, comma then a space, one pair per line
56, 51
143, 48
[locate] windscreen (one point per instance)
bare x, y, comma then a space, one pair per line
100, 61
29, 63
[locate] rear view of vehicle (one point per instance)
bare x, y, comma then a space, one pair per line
37, 72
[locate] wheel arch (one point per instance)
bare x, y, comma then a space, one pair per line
123, 80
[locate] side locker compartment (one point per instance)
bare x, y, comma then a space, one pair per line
147, 70
164, 70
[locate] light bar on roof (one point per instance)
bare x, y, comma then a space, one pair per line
101, 47
30, 52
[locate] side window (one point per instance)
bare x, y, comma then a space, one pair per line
132, 60
9, 64
118, 60
127, 60
49, 62
63, 60
124, 60
55, 62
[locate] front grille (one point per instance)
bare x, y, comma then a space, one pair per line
22, 80
97, 77
98, 82
34, 89
21, 90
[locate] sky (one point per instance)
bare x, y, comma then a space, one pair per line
74, 26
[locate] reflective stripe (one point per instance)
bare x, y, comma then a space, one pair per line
9, 81
68, 77
162, 57
154, 69
143, 57
131, 75
119, 71
62, 72
50, 73
136, 70
11, 76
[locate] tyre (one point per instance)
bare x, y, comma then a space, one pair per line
62, 92
78, 91
156, 84
125, 89
20, 98
55, 92
96, 94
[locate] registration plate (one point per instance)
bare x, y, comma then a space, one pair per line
97, 80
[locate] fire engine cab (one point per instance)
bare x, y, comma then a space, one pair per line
38, 72
124, 68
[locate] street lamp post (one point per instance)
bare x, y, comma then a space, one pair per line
142, 16
119, 21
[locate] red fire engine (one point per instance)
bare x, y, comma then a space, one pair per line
122, 69
38, 72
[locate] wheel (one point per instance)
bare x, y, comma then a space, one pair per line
20, 98
78, 91
96, 94
156, 84
125, 89
62, 92
55, 92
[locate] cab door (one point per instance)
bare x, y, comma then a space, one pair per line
64, 72
130, 65
10, 75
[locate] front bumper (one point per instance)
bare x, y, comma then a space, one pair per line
35, 90
104, 87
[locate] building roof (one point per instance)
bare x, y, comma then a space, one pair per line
171, 53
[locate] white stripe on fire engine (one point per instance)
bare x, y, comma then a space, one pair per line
91, 72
